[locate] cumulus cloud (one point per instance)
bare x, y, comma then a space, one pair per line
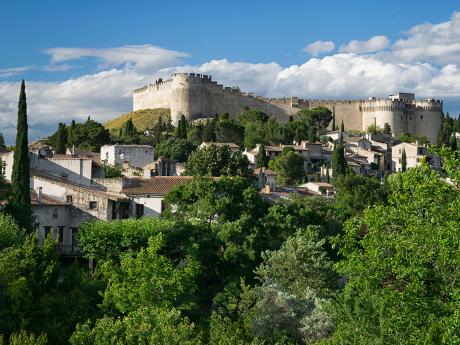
140, 57
426, 61
103, 95
319, 47
373, 44
434, 43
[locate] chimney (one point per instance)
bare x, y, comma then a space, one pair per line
73, 150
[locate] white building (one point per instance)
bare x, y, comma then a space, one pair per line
136, 156
415, 154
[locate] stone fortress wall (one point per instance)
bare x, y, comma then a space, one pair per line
197, 96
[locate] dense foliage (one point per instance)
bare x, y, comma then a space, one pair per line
289, 167
215, 160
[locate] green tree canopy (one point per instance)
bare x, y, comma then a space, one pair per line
317, 118
289, 166
175, 148
402, 264
215, 160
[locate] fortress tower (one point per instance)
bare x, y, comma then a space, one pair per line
197, 96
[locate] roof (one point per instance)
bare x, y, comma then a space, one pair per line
157, 185
44, 199
230, 145
129, 145
95, 157
265, 171
323, 184
279, 148
4, 152
85, 189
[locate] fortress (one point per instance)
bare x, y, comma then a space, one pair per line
197, 96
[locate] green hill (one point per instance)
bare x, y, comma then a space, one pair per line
142, 119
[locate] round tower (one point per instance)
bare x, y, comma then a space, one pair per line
381, 111
426, 119
189, 96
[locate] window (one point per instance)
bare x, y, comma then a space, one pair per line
55, 212
61, 234
92, 205
69, 199
139, 210
410, 118
399, 150
47, 230
74, 236
421, 117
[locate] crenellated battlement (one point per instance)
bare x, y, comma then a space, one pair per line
196, 95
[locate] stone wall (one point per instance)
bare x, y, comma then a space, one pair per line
197, 96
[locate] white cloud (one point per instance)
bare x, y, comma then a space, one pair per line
9, 72
140, 57
434, 43
373, 44
319, 47
425, 62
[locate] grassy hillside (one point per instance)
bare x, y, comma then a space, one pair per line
142, 119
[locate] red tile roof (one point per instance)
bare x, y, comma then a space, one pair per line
156, 185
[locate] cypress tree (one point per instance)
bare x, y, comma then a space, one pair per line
333, 118
403, 160
261, 158
61, 139
342, 127
338, 161
20, 178
182, 128
2, 142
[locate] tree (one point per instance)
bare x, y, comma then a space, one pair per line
403, 160
289, 166
175, 148
129, 130
20, 179
60, 144
317, 118
333, 118
2, 142
386, 128
261, 158
402, 265
338, 161
182, 128
342, 127
215, 160
354, 194
146, 325
131, 283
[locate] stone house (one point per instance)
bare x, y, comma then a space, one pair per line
415, 153
137, 156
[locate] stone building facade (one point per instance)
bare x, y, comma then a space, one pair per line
197, 96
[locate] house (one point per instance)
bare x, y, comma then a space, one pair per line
415, 154
65, 193
319, 188
137, 156
147, 194
265, 177
233, 147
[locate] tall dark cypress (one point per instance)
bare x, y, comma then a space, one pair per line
20, 179
338, 160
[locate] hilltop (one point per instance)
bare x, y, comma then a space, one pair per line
142, 119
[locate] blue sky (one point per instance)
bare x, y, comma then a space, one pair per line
84, 57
